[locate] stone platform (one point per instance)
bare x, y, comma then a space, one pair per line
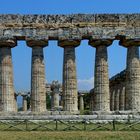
47, 116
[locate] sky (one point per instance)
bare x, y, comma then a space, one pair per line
85, 55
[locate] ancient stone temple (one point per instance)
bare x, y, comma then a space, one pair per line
101, 30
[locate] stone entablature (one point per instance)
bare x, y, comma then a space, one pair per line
120, 76
75, 26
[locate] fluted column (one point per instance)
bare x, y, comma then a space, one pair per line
54, 101
61, 99
112, 97
38, 91
81, 102
7, 99
116, 100
55, 95
132, 75
70, 96
91, 99
24, 103
15, 98
122, 98
101, 83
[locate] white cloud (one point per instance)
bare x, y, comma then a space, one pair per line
86, 84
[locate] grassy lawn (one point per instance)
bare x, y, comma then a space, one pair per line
72, 135
64, 132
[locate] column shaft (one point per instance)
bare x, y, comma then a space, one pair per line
91, 100
70, 97
81, 102
61, 101
122, 98
52, 102
116, 101
55, 101
6, 81
101, 83
133, 79
112, 100
15, 98
24, 104
38, 95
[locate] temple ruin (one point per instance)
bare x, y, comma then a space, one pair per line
101, 30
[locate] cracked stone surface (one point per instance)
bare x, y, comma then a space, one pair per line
70, 95
101, 83
75, 26
133, 80
100, 30
7, 98
38, 91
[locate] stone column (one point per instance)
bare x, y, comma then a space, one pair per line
91, 102
116, 100
111, 87
132, 75
15, 98
7, 101
112, 97
38, 91
101, 83
122, 98
24, 103
81, 102
55, 95
61, 99
70, 96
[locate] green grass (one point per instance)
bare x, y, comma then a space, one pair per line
72, 135
69, 134
67, 126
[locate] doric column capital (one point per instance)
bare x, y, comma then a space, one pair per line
81, 95
100, 42
55, 86
68, 43
37, 42
8, 42
24, 95
129, 42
